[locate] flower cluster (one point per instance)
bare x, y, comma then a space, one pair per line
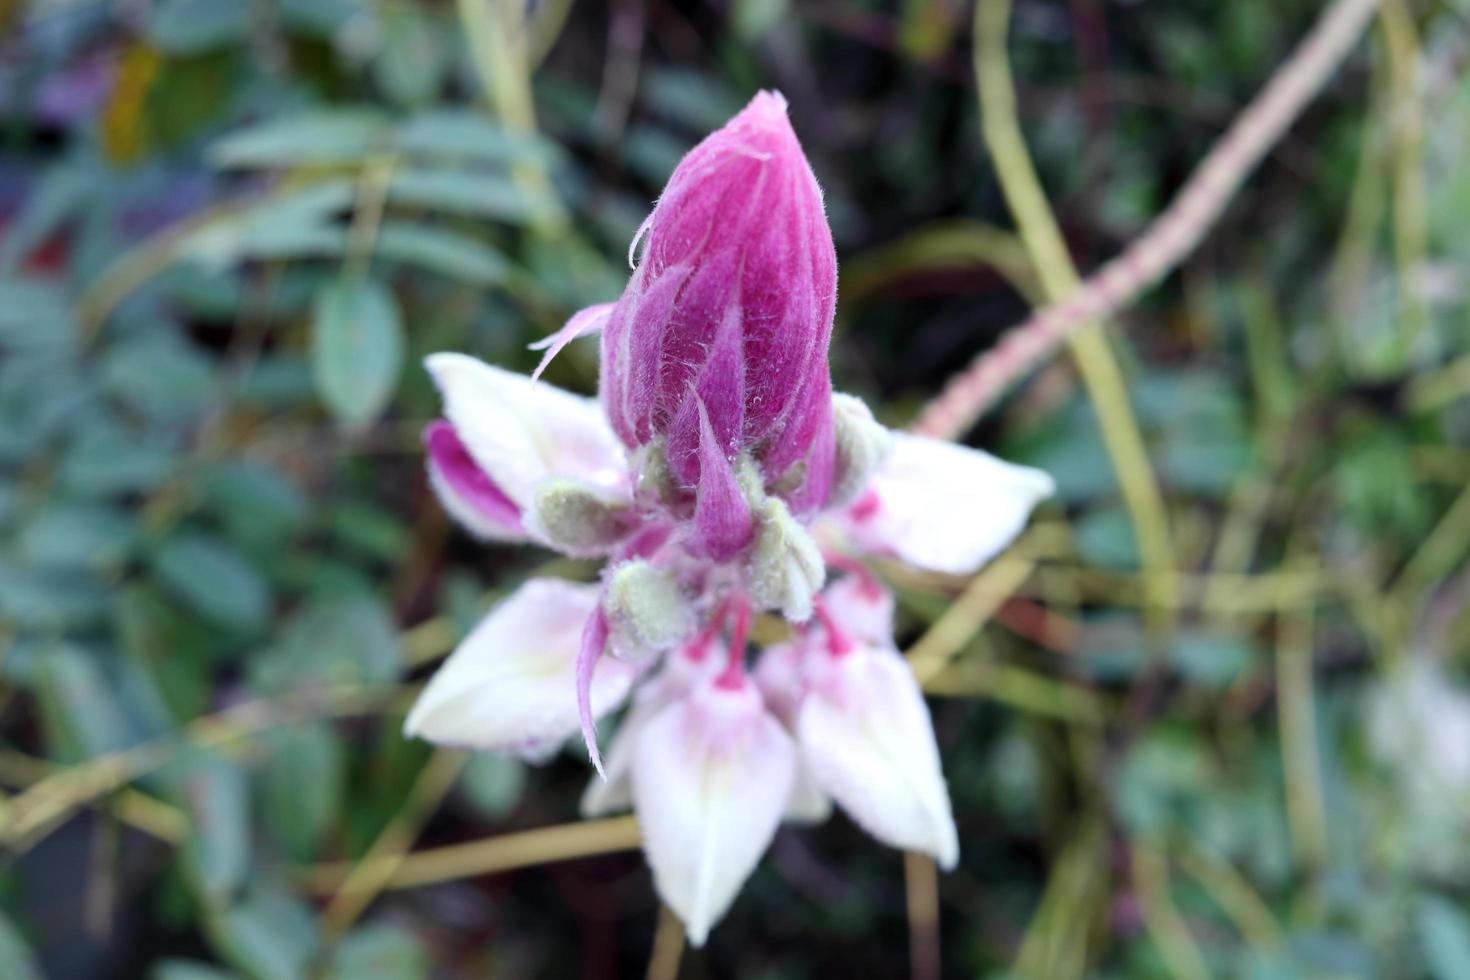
720, 478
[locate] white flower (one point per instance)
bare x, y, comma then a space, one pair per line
511, 684
712, 776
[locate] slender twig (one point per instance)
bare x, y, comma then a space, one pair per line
493, 855
36, 811
668, 946
1166, 926
1410, 227
1236, 897
1171, 237
1296, 709
1094, 357
921, 889
498, 46
388, 850
967, 614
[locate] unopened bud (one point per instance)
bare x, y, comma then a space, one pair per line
732, 304
647, 613
861, 445
575, 519
786, 568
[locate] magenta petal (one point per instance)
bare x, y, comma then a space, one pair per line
722, 521
466, 482
594, 641
717, 399
583, 322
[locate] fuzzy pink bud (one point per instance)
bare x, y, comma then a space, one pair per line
729, 315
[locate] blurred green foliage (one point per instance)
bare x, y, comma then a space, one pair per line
229, 232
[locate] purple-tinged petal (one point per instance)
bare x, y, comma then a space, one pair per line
711, 778
582, 323
722, 520
466, 491
512, 683
520, 432
594, 642
865, 734
943, 507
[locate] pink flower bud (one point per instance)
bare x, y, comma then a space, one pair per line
731, 309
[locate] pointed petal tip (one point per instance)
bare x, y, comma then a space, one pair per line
594, 640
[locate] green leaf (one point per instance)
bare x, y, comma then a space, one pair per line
357, 349
371, 530
302, 786
35, 317
166, 381
494, 783
296, 224
410, 68
192, 26
111, 461
476, 195
49, 600
1212, 659
332, 640
17, 962
189, 970
382, 952
1105, 538
268, 936
81, 718
439, 250
64, 535
173, 652
469, 135
216, 795
56, 197
1444, 933
259, 506
214, 580
328, 136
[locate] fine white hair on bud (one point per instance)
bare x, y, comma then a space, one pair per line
576, 519
786, 568
861, 445
647, 612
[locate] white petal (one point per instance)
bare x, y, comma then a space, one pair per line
943, 507
512, 681
711, 777
521, 431
862, 608
807, 805
780, 673
678, 676
865, 733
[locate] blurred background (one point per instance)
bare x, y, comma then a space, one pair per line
230, 230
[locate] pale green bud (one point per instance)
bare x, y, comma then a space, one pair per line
861, 446
786, 568
655, 479
575, 519
646, 611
